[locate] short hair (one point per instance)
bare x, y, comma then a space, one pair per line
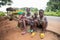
41, 10
35, 13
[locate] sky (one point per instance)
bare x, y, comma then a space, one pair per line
40, 4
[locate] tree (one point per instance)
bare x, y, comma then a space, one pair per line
53, 5
5, 2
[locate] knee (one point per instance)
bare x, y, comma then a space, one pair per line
36, 21
44, 24
20, 22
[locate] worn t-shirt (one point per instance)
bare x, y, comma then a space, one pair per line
43, 19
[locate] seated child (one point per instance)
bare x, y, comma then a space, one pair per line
34, 22
28, 17
22, 22
35, 18
42, 21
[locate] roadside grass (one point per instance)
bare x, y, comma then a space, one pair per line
52, 14
2, 13
46, 13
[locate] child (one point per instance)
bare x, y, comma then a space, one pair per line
28, 17
42, 20
31, 23
22, 22
35, 18
34, 22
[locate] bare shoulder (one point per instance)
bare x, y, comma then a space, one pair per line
45, 18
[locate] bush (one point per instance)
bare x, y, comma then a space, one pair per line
52, 13
58, 12
2, 14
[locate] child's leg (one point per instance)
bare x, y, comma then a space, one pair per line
35, 25
20, 24
44, 26
27, 22
31, 26
24, 23
24, 28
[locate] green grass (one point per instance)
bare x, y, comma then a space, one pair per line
52, 13
46, 13
2, 14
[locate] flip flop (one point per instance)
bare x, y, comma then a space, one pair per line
30, 31
42, 35
33, 34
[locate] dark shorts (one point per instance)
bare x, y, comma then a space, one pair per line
31, 23
39, 26
27, 22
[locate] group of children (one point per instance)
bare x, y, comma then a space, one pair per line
34, 21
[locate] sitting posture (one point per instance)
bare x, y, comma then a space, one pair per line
34, 22
31, 24
35, 19
42, 21
21, 22
28, 17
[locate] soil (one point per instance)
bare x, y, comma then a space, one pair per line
10, 31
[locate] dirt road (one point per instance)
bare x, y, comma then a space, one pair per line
9, 31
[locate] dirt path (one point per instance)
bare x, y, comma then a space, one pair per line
9, 31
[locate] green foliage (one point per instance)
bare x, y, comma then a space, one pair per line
58, 12
4, 2
2, 14
31, 9
53, 5
52, 13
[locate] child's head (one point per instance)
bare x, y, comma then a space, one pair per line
41, 13
28, 9
35, 14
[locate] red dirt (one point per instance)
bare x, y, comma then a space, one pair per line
9, 31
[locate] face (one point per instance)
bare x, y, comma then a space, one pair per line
35, 14
28, 9
41, 13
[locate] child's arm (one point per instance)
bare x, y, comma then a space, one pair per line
20, 16
46, 20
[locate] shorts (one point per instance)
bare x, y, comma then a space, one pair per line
40, 26
31, 23
27, 22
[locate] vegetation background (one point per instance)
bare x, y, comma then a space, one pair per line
52, 9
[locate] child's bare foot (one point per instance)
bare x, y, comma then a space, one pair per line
24, 32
